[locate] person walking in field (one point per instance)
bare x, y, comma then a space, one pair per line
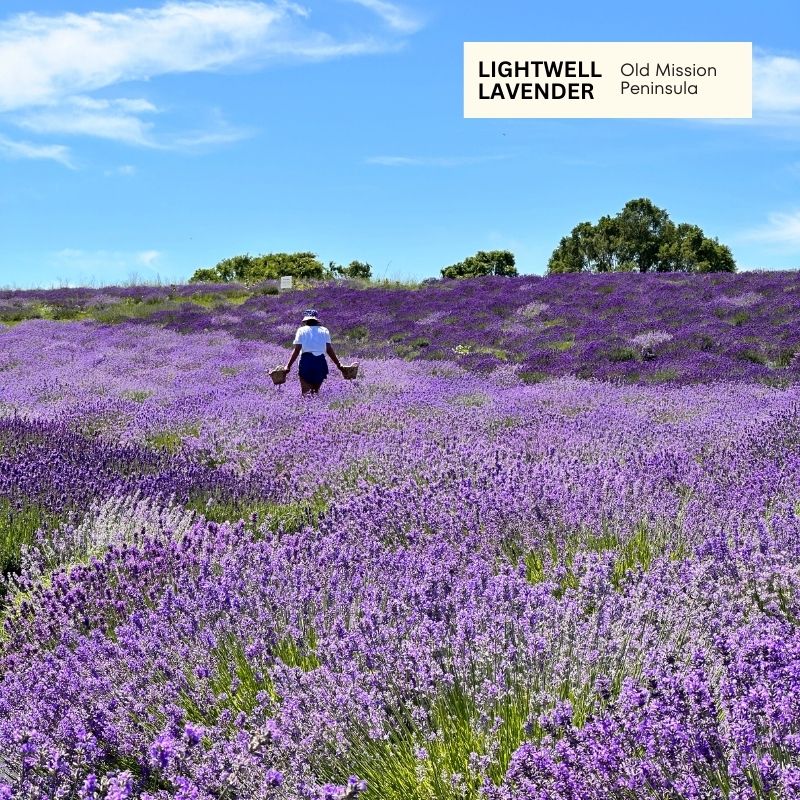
311, 342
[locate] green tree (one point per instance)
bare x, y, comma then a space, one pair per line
640, 228
237, 268
359, 269
205, 275
491, 262
253, 269
299, 265
686, 249
355, 269
641, 238
576, 252
604, 238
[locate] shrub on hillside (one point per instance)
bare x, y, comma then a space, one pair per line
491, 262
355, 269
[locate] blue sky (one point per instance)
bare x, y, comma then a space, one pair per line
144, 139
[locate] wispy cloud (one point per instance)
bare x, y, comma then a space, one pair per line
776, 93
218, 132
100, 263
148, 258
776, 84
136, 105
51, 64
10, 148
47, 58
112, 121
126, 170
431, 161
123, 121
781, 229
396, 17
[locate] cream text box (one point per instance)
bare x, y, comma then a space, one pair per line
697, 80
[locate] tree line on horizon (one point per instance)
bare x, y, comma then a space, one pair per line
271, 266
639, 238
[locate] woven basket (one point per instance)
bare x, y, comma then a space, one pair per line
278, 375
350, 371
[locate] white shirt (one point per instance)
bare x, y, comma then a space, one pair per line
313, 338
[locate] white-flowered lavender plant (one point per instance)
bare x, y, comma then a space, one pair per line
650, 339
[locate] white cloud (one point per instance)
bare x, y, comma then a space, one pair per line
781, 229
776, 85
393, 15
51, 64
47, 58
321, 47
431, 161
112, 120
119, 127
105, 262
125, 170
776, 92
149, 257
52, 152
116, 119
200, 139
134, 105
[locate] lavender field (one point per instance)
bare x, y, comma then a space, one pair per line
546, 546
699, 328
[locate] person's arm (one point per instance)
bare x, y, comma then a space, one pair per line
296, 352
332, 353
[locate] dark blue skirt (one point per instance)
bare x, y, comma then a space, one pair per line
313, 369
